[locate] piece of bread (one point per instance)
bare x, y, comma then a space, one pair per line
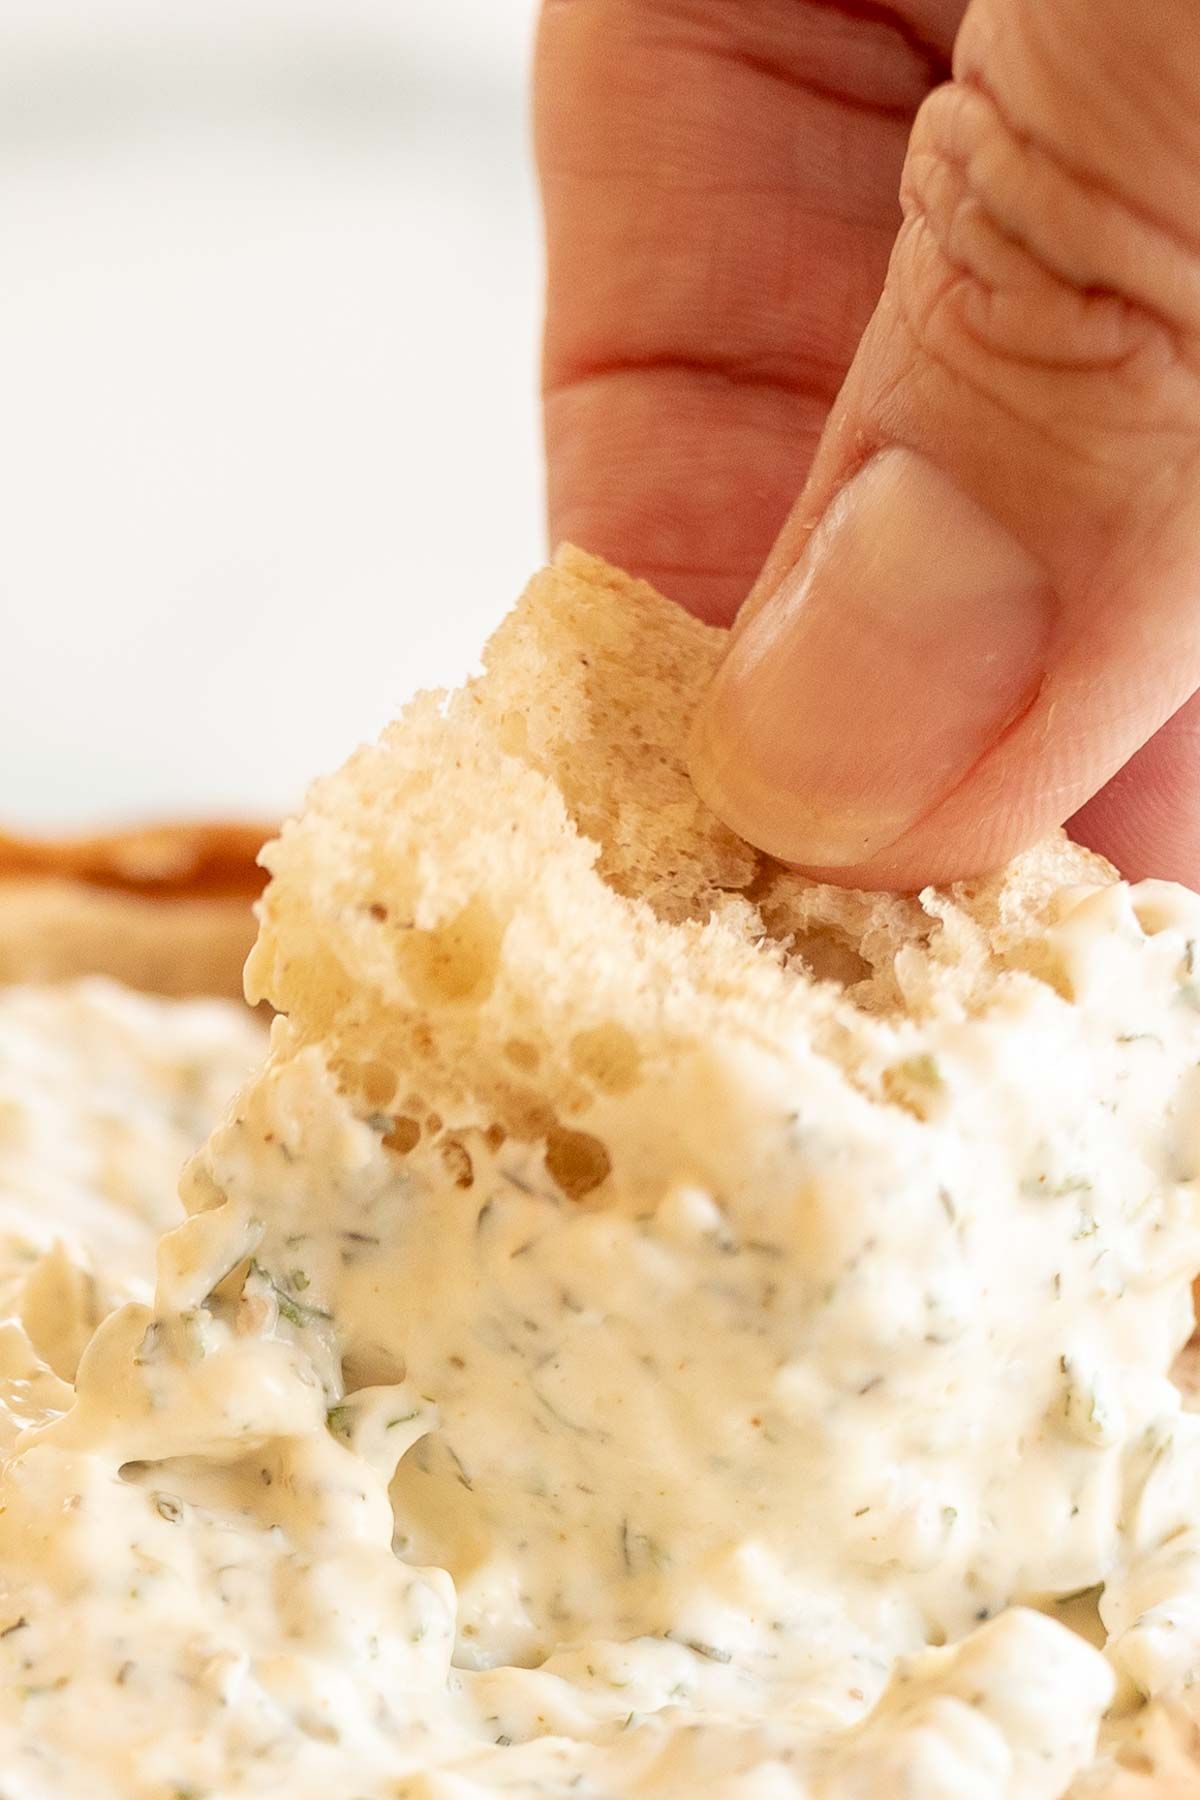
168, 909
511, 914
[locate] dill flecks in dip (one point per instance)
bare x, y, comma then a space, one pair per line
602, 1360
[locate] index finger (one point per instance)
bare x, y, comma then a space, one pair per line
720, 187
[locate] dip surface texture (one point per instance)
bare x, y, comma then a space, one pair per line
601, 1357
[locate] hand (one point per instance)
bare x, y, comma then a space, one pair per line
984, 608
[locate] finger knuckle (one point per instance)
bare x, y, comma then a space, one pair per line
1021, 276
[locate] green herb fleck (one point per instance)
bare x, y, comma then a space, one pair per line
292, 1310
710, 1652
340, 1420
461, 1475
1040, 1187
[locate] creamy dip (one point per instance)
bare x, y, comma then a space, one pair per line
418, 1478
103, 1096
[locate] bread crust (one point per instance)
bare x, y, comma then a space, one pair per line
165, 908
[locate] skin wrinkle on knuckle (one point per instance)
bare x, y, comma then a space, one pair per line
1106, 90
683, 480
1093, 374
780, 33
739, 124
921, 311
751, 216
753, 312
799, 377
618, 57
743, 233
988, 381
842, 96
1076, 231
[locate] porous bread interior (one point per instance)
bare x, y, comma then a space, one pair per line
515, 903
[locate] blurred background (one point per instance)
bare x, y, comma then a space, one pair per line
268, 337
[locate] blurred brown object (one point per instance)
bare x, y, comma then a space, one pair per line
165, 908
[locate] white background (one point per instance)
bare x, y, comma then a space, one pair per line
269, 307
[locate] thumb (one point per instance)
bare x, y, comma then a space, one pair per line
988, 596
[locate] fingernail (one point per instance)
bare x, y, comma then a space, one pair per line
912, 632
